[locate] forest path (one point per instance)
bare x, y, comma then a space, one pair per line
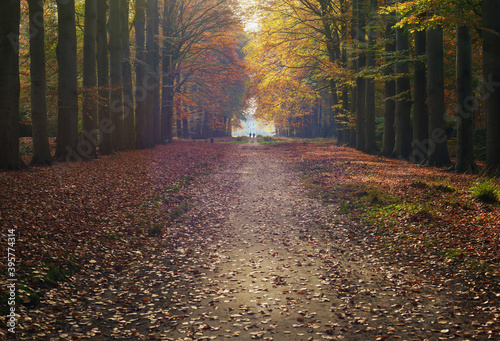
256, 258
277, 265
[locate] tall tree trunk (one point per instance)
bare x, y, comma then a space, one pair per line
128, 92
115, 64
333, 48
106, 127
402, 122
360, 81
140, 73
9, 85
333, 128
41, 146
491, 69
370, 136
354, 91
167, 101
153, 77
389, 89
185, 128
178, 127
157, 98
437, 154
67, 118
343, 123
464, 161
89, 116
420, 115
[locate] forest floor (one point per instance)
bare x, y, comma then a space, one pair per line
285, 241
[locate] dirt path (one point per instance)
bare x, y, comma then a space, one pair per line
255, 258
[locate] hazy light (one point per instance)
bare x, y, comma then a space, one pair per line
252, 26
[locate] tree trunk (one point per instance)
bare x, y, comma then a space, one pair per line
491, 69
41, 146
106, 128
464, 161
352, 125
437, 154
360, 81
9, 85
420, 115
370, 136
402, 122
157, 98
152, 74
67, 118
185, 128
115, 75
128, 92
140, 73
353, 107
89, 116
167, 101
343, 122
389, 91
178, 127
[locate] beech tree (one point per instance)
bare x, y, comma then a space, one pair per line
389, 88
115, 72
420, 114
140, 72
9, 84
153, 74
491, 70
105, 123
89, 116
359, 12
370, 138
128, 86
437, 154
41, 147
465, 103
169, 53
67, 127
402, 121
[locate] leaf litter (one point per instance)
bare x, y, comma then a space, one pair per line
254, 257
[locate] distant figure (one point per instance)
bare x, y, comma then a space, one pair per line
250, 135
253, 135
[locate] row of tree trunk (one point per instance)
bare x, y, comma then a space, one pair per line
115, 115
427, 143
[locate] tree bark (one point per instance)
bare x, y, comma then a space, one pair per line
106, 127
140, 73
89, 116
360, 80
465, 107
491, 69
420, 114
157, 98
185, 127
9, 85
128, 91
353, 105
41, 146
402, 122
152, 71
389, 90
370, 136
437, 154
167, 101
343, 122
116, 80
67, 129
